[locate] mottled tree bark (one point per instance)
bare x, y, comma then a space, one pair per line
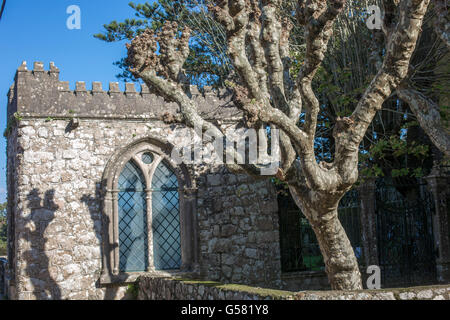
268, 94
428, 116
320, 208
442, 20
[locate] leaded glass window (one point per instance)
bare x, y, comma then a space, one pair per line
148, 204
133, 216
166, 219
133, 241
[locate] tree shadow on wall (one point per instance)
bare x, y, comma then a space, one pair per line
95, 206
42, 212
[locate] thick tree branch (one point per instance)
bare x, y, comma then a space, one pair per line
318, 177
319, 21
221, 13
427, 113
254, 39
256, 27
238, 11
399, 49
292, 92
163, 72
271, 36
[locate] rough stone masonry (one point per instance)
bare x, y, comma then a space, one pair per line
64, 150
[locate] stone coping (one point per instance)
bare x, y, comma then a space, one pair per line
132, 277
432, 292
190, 289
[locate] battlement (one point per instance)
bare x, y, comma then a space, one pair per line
40, 93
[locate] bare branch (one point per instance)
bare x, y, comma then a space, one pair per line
319, 29
164, 73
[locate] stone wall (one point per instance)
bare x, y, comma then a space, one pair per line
55, 172
58, 215
305, 280
238, 223
175, 289
413, 293
151, 288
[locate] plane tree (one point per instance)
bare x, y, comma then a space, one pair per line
257, 46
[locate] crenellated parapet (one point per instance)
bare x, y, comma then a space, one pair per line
40, 93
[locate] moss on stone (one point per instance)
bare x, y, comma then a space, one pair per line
133, 290
256, 290
394, 291
264, 292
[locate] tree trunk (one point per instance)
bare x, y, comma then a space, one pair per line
320, 208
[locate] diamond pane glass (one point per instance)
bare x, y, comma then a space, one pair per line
166, 219
133, 243
147, 158
164, 178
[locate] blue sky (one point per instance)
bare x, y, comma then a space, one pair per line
36, 31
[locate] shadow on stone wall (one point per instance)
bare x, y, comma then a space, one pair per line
94, 204
42, 212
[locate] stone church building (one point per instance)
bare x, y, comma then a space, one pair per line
95, 199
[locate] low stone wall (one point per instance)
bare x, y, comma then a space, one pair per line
306, 280
175, 289
413, 293
150, 288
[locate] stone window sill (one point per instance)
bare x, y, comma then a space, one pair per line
131, 277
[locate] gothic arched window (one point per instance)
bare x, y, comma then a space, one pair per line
149, 207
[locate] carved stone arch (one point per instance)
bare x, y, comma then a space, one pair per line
161, 150
157, 145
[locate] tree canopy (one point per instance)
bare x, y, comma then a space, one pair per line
394, 144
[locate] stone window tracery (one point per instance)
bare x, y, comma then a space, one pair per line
149, 211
